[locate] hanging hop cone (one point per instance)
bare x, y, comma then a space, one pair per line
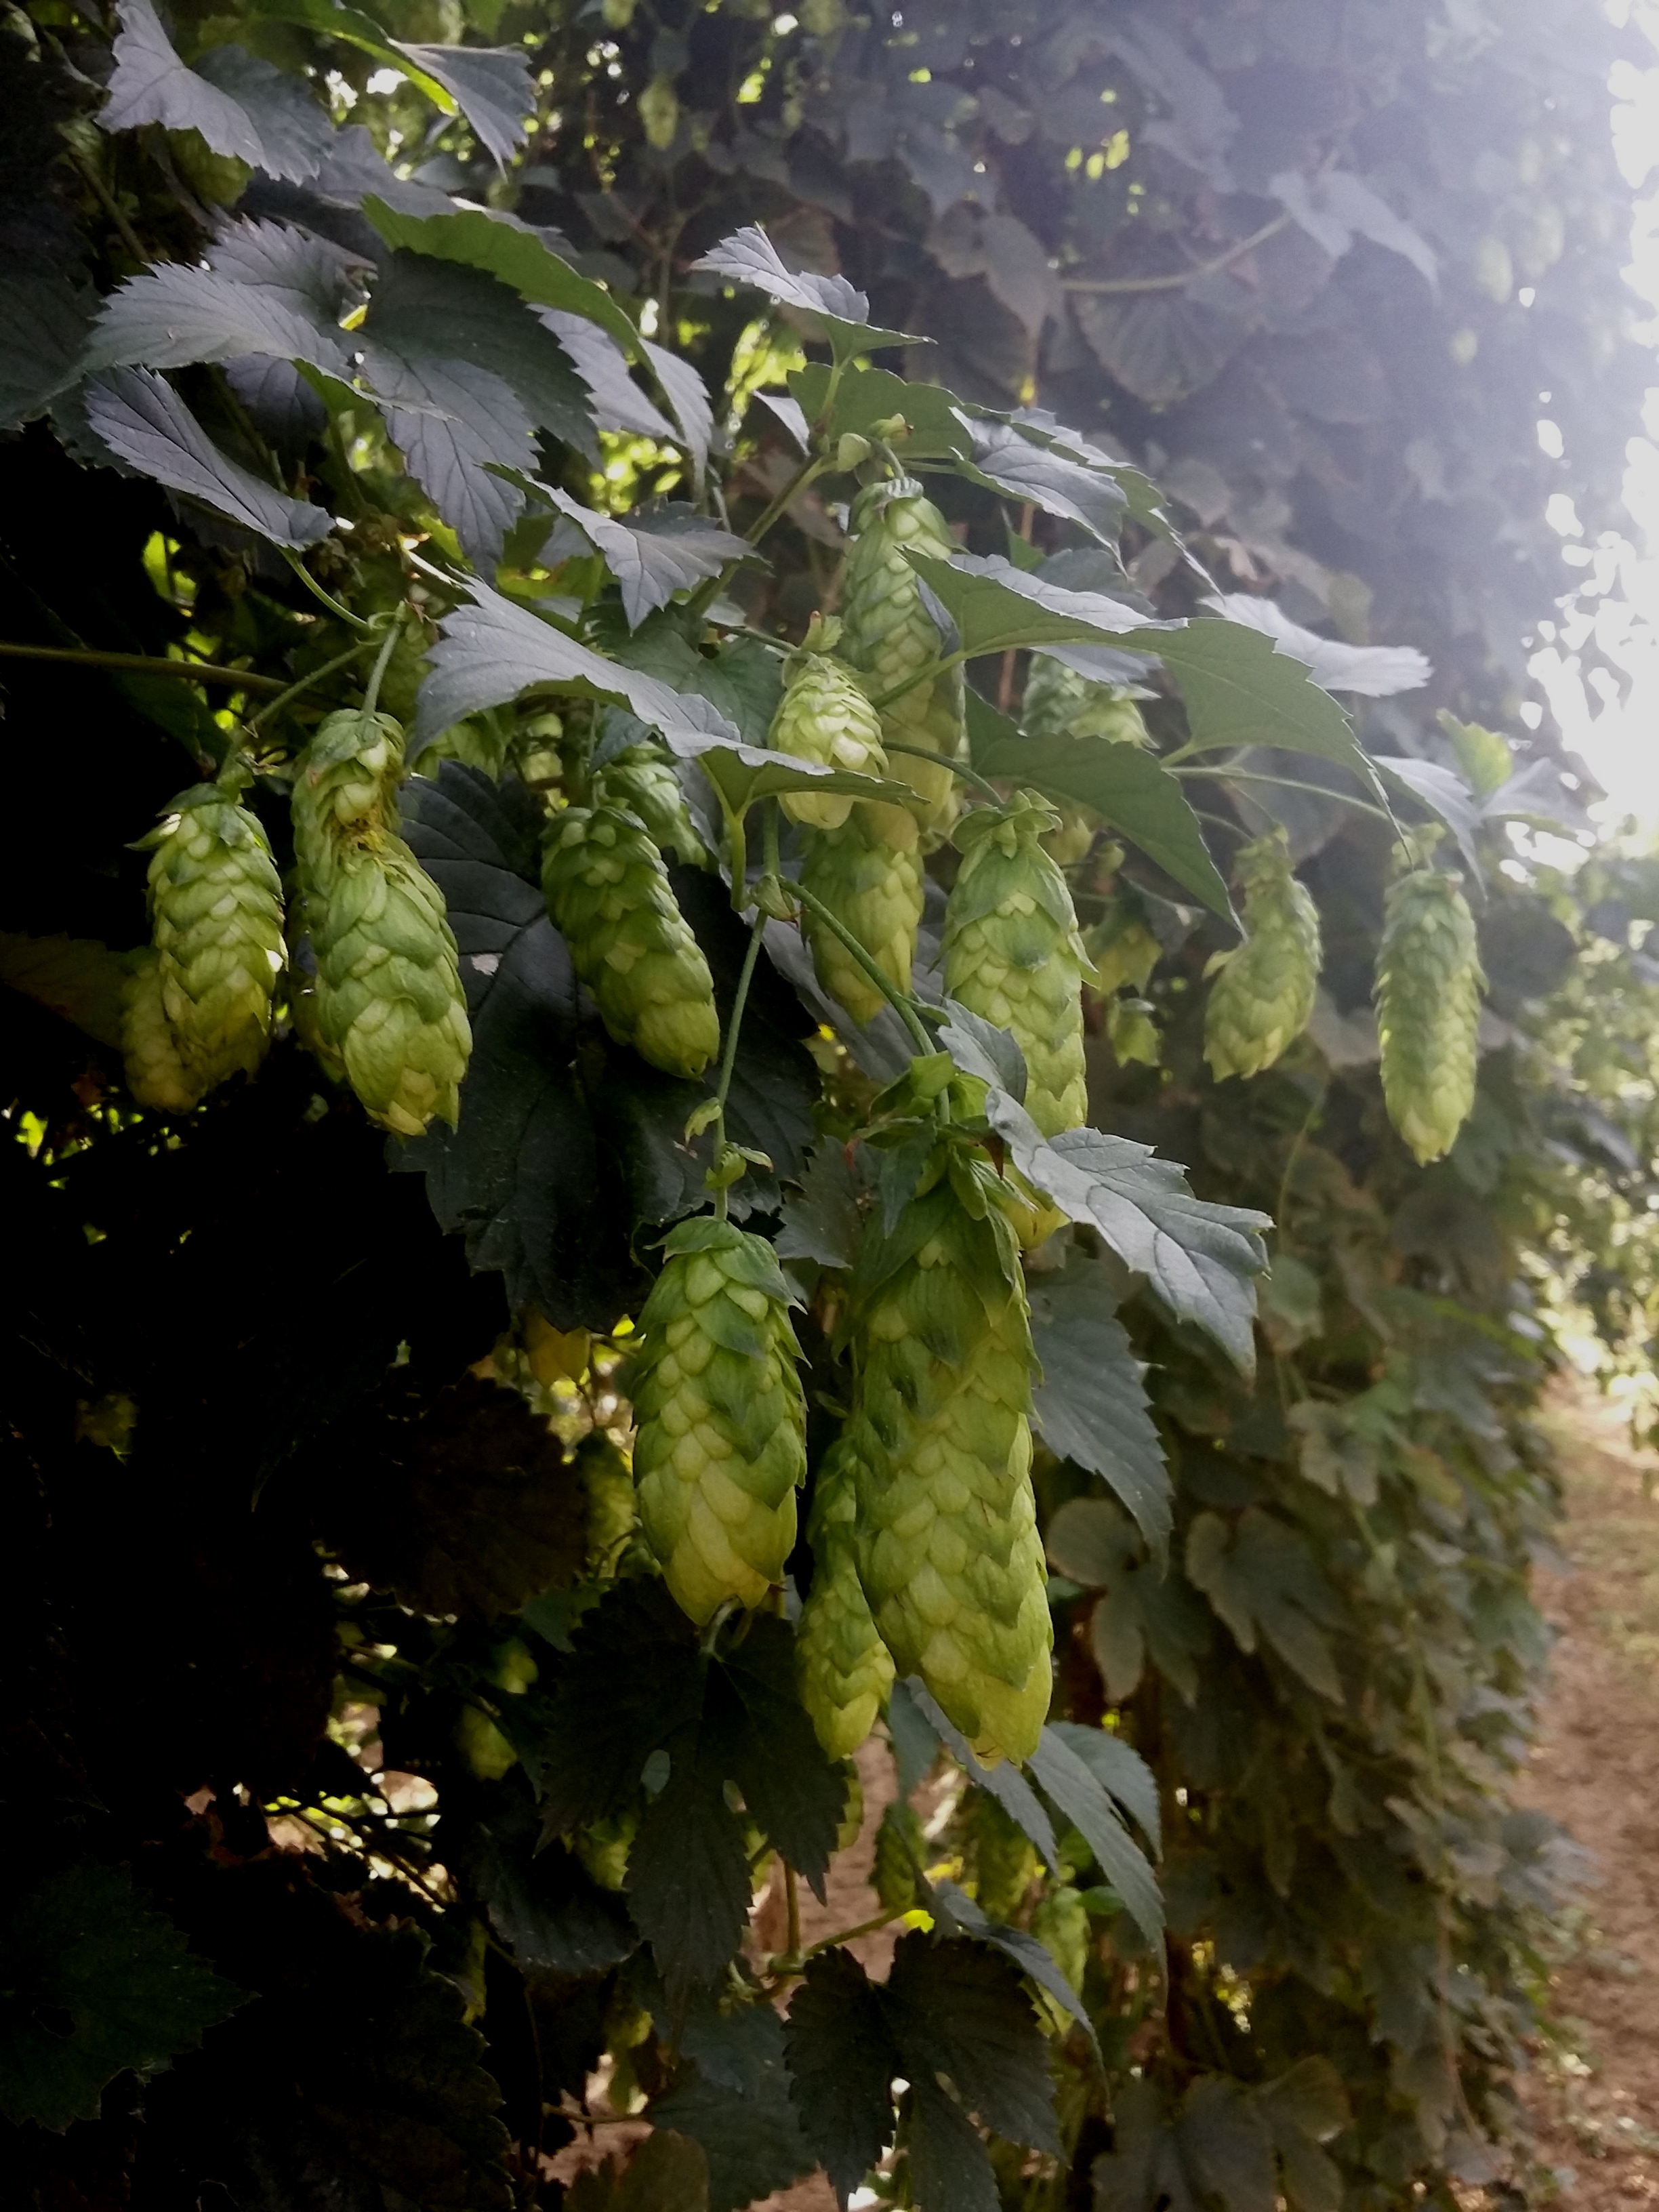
1004, 1863
215, 905
868, 873
845, 1669
155, 1074
387, 1004
901, 1848
722, 1423
1061, 1922
1013, 953
608, 891
949, 1553
890, 637
643, 783
1059, 702
825, 716
1428, 1009
1263, 992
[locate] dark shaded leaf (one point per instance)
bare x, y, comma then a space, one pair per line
733, 2097
46, 325
491, 85
1217, 2151
688, 1871
1081, 1796
545, 1906
688, 397
1004, 1782
1335, 206
956, 2009
796, 1793
950, 2170
1262, 1578
152, 85
821, 1218
653, 555
666, 2173
841, 2062
616, 402
1159, 345
748, 257
953, 1909
141, 420
293, 130
633, 1680
1122, 1773
268, 290
505, 249
1091, 1406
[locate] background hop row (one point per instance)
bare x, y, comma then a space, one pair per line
722, 1422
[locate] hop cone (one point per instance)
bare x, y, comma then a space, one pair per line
155, 1074
721, 1443
1428, 1009
609, 892
825, 716
870, 878
387, 1004
889, 636
948, 1549
215, 909
1060, 703
1123, 950
1013, 955
901, 1848
641, 782
845, 1669
1062, 1922
1261, 1000
1005, 1863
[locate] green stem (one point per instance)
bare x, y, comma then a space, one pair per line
733, 1029
968, 774
1176, 280
923, 675
274, 706
340, 613
809, 470
394, 631
1284, 783
107, 201
139, 664
902, 1005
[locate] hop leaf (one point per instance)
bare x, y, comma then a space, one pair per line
1261, 1000
722, 1423
844, 1668
608, 891
1013, 953
825, 715
1428, 1009
868, 873
948, 1550
216, 923
891, 637
156, 1076
387, 1005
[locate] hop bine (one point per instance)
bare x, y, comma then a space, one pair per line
846, 1671
1013, 955
889, 637
948, 1554
1428, 1009
825, 716
215, 905
1263, 993
722, 1423
387, 1005
868, 873
608, 891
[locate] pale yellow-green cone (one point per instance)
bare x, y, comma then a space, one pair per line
609, 894
1263, 992
825, 716
722, 1423
901, 1848
889, 635
1123, 950
155, 1075
844, 1667
1013, 953
1002, 1860
215, 905
868, 873
386, 1003
949, 1553
1428, 1009
641, 782
1060, 703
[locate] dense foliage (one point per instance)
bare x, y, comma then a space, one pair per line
704, 870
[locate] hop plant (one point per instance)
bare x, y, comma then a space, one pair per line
1060, 1922
870, 878
155, 1074
215, 905
643, 783
387, 1005
1122, 949
949, 1553
901, 1848
1013, 955
1263, 992
825, 716
609, 893
1059, 703
1004, 1862
846, 1671
722, 1423
1428, 1009
891, 637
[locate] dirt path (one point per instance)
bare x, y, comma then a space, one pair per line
1594, 2093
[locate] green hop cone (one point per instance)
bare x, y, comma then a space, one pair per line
722, 1423
1428, 1009
608, 891
640, 782
845, 1669
155, 1074
1263, 992
1060, 1922
1004, 1863
901, 1848
890, 637
387, 1004
1133, 1034
612, 1514
825, 716
1122, 949
216, 907
1013, 953
868, 873
1060, 703
949, 1553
